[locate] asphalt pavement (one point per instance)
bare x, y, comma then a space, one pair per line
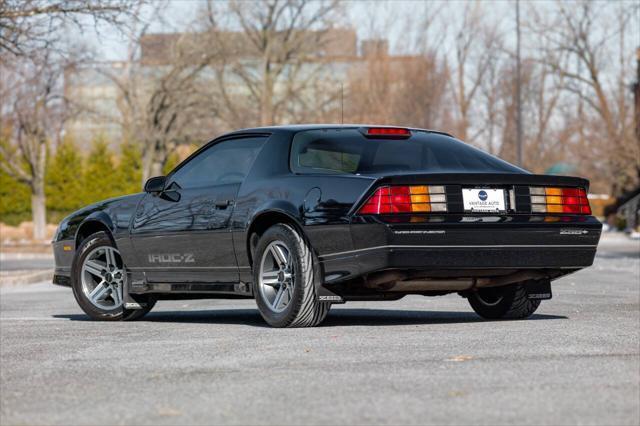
414, 361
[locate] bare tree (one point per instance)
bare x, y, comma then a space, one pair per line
33, 112
473, 38
33, 63
29, 26
401, 90
275, 57
370, 91
580, 46
541, 95
542, 98
164, 98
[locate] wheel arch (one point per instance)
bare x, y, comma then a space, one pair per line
93, 223
263, 221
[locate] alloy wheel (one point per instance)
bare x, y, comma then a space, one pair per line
103, 274
277, 276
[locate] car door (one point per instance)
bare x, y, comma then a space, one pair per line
183, 234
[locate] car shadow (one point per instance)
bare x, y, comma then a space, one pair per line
372, 317
336, 318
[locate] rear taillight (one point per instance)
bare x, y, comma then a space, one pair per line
559, 200
406, 199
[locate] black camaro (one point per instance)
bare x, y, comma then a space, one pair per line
300, 217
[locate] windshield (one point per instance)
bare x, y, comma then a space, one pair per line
347, 151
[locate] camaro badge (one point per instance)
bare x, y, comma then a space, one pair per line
573, 231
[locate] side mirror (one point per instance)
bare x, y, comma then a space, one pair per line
155, 184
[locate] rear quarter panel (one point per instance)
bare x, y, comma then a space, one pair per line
318, 203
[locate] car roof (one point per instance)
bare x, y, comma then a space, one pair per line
293, 128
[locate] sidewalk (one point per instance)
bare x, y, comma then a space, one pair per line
17, 278
16, 268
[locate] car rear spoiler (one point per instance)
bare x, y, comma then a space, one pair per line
483, 179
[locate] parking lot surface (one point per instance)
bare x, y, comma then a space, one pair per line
414, 361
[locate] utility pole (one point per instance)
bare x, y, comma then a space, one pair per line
518, 89
636, 95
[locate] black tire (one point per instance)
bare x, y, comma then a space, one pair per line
508, 302
93, 241
303, 309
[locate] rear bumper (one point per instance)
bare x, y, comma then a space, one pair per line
458, 243
466, 257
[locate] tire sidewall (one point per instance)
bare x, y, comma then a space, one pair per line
493, 311
99, 239
284, 234
514, 304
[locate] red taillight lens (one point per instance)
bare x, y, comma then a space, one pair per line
559, 200
388, 131
406, 199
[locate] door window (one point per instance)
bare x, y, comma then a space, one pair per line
226, 162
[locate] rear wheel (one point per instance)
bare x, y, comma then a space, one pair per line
98, 275
508, 302
283, 279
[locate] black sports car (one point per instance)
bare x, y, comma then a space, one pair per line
301, 217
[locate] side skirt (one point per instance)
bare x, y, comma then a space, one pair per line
218, 288
134, 289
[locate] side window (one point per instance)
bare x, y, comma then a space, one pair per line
223, 163
329, 160
315, 152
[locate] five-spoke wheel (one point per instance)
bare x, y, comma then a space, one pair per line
284, 279
103, 278
98, 278
277, 276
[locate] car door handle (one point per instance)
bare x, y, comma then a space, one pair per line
223, 204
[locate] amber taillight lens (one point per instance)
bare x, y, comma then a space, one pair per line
559, 200
406, 199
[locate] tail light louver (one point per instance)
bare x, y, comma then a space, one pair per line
406, 199
559, 200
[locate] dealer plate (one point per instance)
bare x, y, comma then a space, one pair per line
483, 200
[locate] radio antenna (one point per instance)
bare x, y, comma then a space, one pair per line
341, 103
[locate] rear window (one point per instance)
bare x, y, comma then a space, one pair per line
347, 151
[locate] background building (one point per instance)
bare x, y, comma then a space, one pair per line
342, 59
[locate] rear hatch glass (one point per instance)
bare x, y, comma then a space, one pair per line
348, 151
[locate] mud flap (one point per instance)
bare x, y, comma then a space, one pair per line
322, 293
538, 289
133, 301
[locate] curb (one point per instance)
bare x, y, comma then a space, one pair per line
25, 256
25, 277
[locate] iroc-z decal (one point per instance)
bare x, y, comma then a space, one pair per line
172, 258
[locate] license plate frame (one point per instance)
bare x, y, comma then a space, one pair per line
484, 200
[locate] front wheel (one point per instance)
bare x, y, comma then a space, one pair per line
97, 277
508, 302
283, 279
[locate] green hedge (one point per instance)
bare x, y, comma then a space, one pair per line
73, 181
15, 200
